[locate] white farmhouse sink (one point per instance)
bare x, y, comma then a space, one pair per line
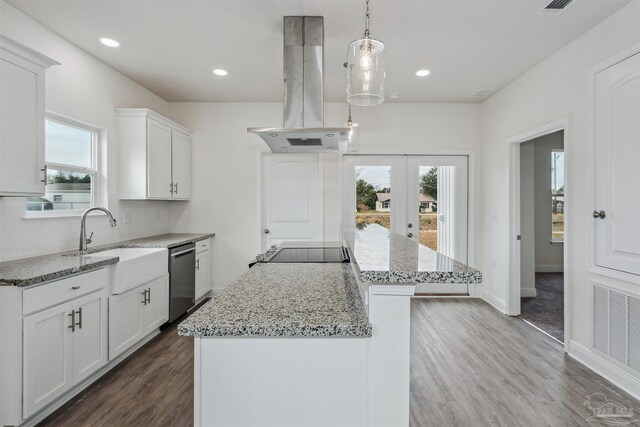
136, 266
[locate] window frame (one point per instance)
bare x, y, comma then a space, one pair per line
555, 240
93, 171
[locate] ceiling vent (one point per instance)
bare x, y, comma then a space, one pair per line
555, 7
483, 92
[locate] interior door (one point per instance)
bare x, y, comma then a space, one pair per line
159, 160
617, 175
437, 203
181, 165
292, 199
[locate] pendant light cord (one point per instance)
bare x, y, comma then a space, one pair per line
367, 19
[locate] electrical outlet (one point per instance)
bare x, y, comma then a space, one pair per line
127, 217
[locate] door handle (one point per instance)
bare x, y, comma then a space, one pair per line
409, 225
267, 231
44, 173
599, 214
409, 235
73, 320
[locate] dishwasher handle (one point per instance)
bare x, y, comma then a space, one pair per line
186, 251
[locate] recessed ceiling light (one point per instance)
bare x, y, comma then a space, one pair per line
220, 72
109, 42
423, 73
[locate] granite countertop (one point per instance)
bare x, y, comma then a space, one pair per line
384, 257
44, 268
284, 300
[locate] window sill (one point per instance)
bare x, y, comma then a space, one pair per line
556, 242
70, 214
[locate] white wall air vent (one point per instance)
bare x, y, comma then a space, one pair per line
616, 325
483, 92
555, 7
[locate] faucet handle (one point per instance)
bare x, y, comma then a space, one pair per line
89, 238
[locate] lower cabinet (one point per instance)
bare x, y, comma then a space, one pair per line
136, 313
203, 273
63, 345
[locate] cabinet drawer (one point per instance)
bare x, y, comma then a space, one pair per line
53, 293
202, 245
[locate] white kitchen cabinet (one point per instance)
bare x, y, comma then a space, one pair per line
203, 269
62, 346
154, 158
136, 313
22, 106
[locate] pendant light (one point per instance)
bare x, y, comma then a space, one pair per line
365, 69
352, 141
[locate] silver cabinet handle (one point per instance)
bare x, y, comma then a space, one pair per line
599, 214
75, 288
149, 296
73, 320
44, 173
144, 297
182, 252
198, 264
176, 190
79, 313
409, 235
267, 231
171, 188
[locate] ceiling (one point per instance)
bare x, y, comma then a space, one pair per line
171, 46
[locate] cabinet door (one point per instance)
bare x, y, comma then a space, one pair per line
125, 320
156, 311
90, 337
203, 274
47, 370
181, 150
617, 108
158, 160
21, 126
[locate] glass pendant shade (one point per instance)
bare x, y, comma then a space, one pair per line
365, 72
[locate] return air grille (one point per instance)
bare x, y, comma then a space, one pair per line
616, 325
558, 4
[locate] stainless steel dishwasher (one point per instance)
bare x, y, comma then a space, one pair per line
182, 280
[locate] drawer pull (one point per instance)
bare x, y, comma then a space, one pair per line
75, 288
73, 320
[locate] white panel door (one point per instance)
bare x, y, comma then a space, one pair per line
156, 311
125, 320
181, 165
21, 126
159, 185
617, 167
47, 371
90, 337
291, 198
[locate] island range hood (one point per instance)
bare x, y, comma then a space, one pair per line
303, 130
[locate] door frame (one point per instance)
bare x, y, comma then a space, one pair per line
513, 203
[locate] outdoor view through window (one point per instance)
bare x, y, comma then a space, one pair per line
69, 156
557, 194
374, 200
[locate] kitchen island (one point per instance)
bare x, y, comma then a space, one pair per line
315, 343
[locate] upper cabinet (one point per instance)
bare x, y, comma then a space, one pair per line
154, 156
22, 114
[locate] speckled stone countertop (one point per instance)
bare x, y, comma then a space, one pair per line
284, 300
34, 270
384, 257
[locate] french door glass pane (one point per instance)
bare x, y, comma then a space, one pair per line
428, 206
373, 196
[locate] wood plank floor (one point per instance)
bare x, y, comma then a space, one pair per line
470, 366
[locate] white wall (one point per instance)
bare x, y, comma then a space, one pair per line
225, 161
548, 257
85, 89
555, 88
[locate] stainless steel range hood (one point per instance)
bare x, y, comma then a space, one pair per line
303, 129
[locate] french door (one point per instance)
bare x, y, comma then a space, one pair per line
422, 197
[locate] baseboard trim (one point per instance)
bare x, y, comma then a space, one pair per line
550, 268
528, 293
605, 368
497, 303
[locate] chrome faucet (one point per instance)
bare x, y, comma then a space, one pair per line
83, 229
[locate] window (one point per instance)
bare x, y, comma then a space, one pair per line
557, 195
70, 157
386, 205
